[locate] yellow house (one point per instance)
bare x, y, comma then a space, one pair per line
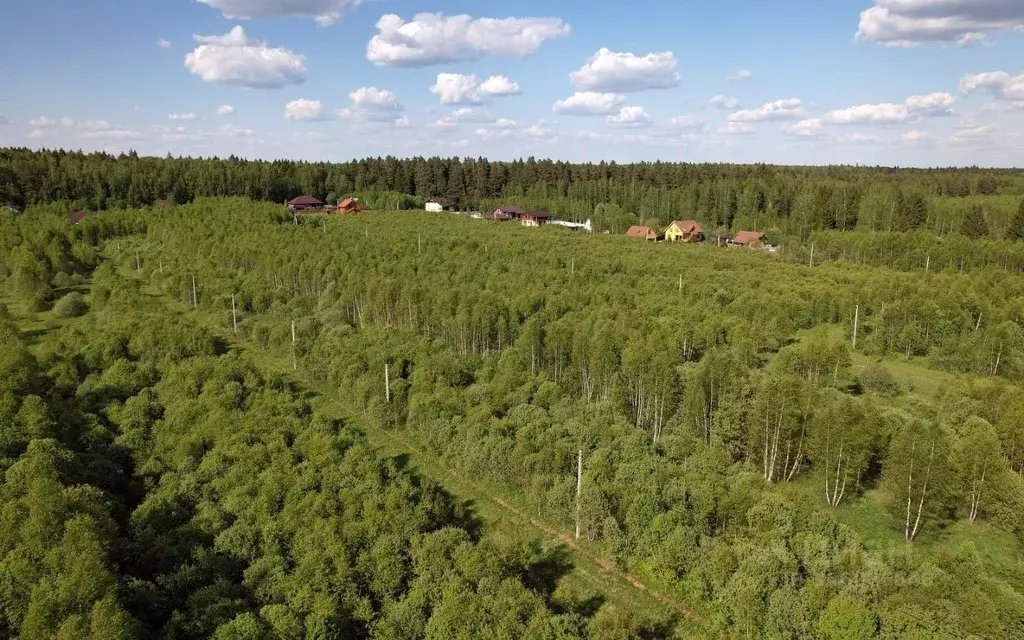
684, 231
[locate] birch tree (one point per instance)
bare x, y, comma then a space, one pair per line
841, 438
979, 463
918, 475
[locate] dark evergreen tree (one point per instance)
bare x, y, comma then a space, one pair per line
975, 225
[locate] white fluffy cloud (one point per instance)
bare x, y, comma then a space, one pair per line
456, 88
590, 103
466, 114
688, 123
182, 116
370, 104
506, 123
915, 137
724, 102
612, 72
631, 116
913, 108
163, 43
809, 128
225, 110
739, 75
999, 84
325, 12
736, 129
303, 110
234, 59
786, 109
908, 23
973, 134
430, 38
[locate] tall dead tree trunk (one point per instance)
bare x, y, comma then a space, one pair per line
579, 489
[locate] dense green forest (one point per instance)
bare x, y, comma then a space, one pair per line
791, 451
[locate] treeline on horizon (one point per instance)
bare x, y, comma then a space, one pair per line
790, 202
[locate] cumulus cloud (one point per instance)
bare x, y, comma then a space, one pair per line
370, 104
466, 114
235, 131
590, 103
915, 137
632, 116
42, 121
999, 84
303, 110
973, 134
325, 12
506, 123
430, 38
733, 128
235, 59
740, 75
908, 23
163, 43
612, 72
809, 128
225, 110
688, 123
913, 108
539, 130
724, 102
456, 88
36, 134
182, 116
786, 109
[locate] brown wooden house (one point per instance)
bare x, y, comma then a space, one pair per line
647, 233
750, 239
78, 216
305, 203
349, 205
536, 218
507, 213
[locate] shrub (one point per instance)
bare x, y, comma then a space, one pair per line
879, 380
71, 305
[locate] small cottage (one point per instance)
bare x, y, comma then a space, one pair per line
440, 204
536, 218
749, 239
304, 203
349, 205
78, 216
507, 213
684, 231
647, 233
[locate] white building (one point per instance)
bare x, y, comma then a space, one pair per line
434, 206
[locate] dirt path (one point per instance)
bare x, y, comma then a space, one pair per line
605, 565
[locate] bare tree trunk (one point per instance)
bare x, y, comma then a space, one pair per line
295, 357
910, 489
856, 321
387, 384
924, 492
234, 317
195, 300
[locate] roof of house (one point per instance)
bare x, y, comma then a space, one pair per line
348, 202
306, 200
78, 216
537, 214
637, 231
498, 214
688, 226
743, 237
444, 202
510, 209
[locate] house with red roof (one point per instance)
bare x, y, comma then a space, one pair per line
536, 218
749, 239
636, 231
684, 231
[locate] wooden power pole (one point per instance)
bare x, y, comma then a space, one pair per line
579, 489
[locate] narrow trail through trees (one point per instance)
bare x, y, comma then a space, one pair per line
563, 538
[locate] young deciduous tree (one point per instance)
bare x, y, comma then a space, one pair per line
979, 462
840, 446
918, 475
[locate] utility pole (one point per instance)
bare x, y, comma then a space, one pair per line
195, 300
387, 384
856, 319
234, 318
579, 489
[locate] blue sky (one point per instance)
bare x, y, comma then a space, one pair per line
893, 82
